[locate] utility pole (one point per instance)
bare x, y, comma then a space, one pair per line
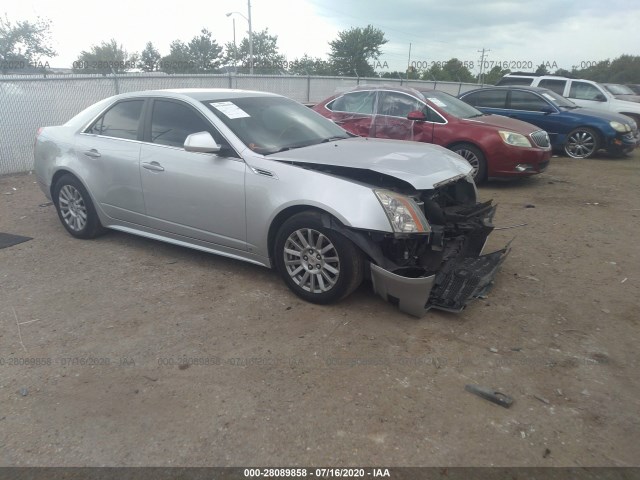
409, 61
250, 39
481, 75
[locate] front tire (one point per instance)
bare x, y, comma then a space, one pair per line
75, 208
318, 264
476, 159
582, 143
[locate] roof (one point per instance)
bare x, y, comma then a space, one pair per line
508, 87
201, 94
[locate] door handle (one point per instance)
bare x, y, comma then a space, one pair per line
93, 153
153, 166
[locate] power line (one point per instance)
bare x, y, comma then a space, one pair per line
481, 74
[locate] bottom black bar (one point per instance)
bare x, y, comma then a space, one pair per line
395, 473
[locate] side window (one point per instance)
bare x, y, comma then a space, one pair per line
172, 123
583, 91
354, 102
396, 104
527, 101
515, 81
487, 98
554, 85
120, 121
433, 116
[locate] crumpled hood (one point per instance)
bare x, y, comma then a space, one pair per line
419, 164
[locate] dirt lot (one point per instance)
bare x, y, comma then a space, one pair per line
111, 331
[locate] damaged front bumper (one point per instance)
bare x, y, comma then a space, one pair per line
460, 280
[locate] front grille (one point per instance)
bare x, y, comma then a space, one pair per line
540, 138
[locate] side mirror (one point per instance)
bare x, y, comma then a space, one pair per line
201, 142
600, 98
417, 115
547, 110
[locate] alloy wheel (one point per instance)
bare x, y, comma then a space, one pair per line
580, 144
72, 208
470, 157
311, 260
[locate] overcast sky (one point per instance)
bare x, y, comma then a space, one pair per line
560, 32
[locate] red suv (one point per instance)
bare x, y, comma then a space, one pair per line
494, 145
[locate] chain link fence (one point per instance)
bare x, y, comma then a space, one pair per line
29, 102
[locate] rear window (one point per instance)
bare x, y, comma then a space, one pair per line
354, 102
120, 121
487, 98
515, 81
553, 85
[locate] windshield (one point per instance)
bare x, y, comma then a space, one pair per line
450, 104
619, 89
558, 100
273, 124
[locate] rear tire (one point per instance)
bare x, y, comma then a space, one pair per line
318, 264
475, 157
75, 208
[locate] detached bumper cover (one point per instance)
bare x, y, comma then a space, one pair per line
459, 281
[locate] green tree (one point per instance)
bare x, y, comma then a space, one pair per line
204, 52
625, 69
496, 73
149, 58
105, 58
542, 70
451, 71
562, 72
24, 42
307, 65
266, 57
178, 60
352, 51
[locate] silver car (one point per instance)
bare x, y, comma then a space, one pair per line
261, 178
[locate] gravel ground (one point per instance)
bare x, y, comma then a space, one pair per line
126, 351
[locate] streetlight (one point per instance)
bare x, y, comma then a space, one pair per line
248, 19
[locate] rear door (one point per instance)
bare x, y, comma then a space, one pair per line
109, 151
489, 101
554, 84
391, 120
353, 111
195, 195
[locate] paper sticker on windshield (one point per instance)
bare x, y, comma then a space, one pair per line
549, 97
437, 101
230, 109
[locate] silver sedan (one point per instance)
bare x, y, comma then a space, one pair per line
261, 178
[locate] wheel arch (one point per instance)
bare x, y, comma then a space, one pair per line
597, 130
482, 150
450, 145
285, 214
61, 172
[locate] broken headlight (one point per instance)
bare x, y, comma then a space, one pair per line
403, 213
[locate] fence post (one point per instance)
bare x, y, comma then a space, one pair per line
230, 82
115, 81
308, 88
